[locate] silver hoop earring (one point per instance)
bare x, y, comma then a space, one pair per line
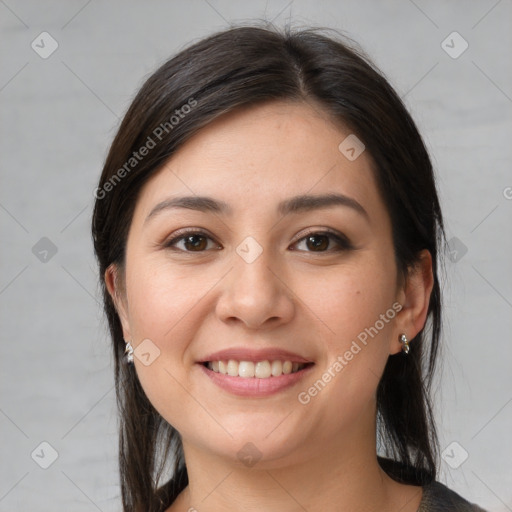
405, 343
129, 352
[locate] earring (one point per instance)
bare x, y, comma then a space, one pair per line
405, 343
129, 352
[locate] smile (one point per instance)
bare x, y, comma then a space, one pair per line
256, 379
258, 369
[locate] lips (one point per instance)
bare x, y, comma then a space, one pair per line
255, 372
254, 355
255, 387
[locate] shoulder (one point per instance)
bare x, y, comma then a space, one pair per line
439, 498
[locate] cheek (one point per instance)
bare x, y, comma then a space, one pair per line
160, 295
355, 308
351, 298
357, 317
163, 306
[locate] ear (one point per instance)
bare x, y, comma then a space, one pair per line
118, 295
414, 296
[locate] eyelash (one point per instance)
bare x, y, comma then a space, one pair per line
343, 242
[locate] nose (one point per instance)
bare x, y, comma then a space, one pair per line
256, 294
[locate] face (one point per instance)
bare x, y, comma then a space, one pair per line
271, 277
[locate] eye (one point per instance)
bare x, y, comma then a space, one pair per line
316, 241
320, 241
193, 241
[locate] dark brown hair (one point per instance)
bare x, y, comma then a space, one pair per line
239, 67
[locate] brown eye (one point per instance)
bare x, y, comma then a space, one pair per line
195, 242
192, 241
317, 242
325, 241
321, 241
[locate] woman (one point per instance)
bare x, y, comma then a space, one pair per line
267, 228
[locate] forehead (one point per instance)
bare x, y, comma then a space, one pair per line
255, 157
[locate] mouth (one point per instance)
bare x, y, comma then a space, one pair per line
254, 379
265, 369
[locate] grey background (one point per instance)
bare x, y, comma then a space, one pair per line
58, 117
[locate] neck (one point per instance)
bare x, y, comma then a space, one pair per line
343, 475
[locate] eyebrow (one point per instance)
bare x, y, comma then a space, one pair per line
295, 204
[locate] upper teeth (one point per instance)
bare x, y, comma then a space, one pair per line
259, 369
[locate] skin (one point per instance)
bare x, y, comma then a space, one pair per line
314, 302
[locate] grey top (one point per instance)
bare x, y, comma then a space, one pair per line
439, 498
